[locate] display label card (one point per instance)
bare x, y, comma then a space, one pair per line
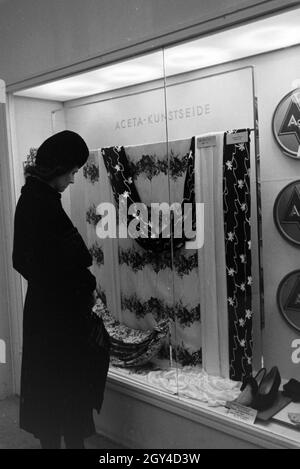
242, 413
206, 142
235, 138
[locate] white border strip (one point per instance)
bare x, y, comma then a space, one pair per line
2, 92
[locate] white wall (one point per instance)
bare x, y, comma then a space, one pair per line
34, 121
6, 369
39, 36
5, 339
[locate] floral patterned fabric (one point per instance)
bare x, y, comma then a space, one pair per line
120, 172
150, 291
93, 197
131, 347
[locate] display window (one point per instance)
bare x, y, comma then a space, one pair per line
176, 206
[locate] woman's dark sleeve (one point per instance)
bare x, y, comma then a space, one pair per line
49, 251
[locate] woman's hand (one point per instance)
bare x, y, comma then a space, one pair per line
92, 298
95, 297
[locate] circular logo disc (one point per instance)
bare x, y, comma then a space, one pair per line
287, 212
286, 124
288, 298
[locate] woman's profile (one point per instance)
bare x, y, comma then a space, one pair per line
62, 377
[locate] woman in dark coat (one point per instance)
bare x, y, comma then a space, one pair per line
62, 377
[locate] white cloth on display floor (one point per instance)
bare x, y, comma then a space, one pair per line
191, 382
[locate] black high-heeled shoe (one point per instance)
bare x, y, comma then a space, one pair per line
260, 376
250, 388
267, 390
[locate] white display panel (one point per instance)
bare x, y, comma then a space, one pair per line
215, 103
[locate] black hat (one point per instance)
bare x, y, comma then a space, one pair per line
58, 154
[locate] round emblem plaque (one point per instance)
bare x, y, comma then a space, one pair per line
286, 124
287, 212
288, 298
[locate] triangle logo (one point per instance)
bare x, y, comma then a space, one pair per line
292, 212
291, 121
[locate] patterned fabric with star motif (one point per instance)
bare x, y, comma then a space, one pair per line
237, 213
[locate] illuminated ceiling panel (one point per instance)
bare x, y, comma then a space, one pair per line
258, 37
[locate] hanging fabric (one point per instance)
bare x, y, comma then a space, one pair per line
104, 251
150, 290
237, 229
222, 173
123, 186
212, 266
